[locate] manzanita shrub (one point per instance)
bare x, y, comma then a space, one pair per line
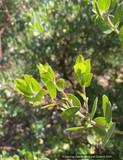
69, 104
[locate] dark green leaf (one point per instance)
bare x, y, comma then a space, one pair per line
38, 97
68, 113
103, 4
121, 154
108, 114
47, 106
75, 100
112, 5
74, 128
77, 78
60, 84
86, 80
51, 89
118, 14
108, 135
80, 68
93, 109
106, 103
99, 130
80, 59
105, 27
97, 8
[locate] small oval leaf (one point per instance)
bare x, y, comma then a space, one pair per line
74, 128
99, 130
68, 113
38, 97
103, 4
86, 80
80, 68
60, 84
80, 59
51, 89
75, 100
45, 77
34, 85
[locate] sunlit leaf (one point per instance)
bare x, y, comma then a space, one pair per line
80, 59
60, 84
80, 68
51, 89
38, 97
86, 80
103, 4
74, 128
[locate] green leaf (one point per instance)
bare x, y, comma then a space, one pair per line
109, 133
109, 144
38, 97
112, 5
74, 128
88, 66
45, 77
121, 34
93, 108
51, 89
86, 80
80, 59
75, 100
105, 27
23, 86
34, 85
82, 95
18, 91
103, 4
118, 14
49, 105
51, 71
91, 138
27, 78
29, 99
79, 68
97, 8
60, 84
99, 130
106, 103
68, 113
77, 78
41, 68
108, 114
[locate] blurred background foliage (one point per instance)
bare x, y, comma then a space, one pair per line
56, 32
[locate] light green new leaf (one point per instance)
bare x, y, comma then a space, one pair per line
34, 85
41, 68
88, 66
23, 86
118, 14
18, 90
38, 97
75, 100
99, 130
108, 135
45, 77
47, 106
51, 89
97, 8
82, 95
80, 59
103, 4
60, 84
79, 68
112, 5
27, 78
77, 78
121, 34
51, 71
74, 128
94, 108
86, 80
29, 99
68, 113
